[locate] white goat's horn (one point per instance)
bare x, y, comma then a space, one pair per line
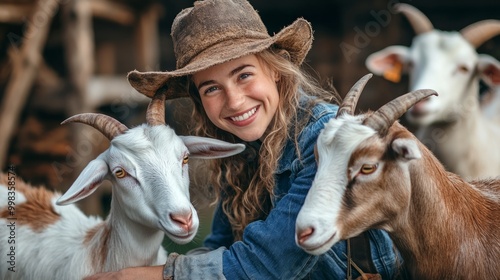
419, 22
478, 33
386, 115
351, 98
155, 115
107, 125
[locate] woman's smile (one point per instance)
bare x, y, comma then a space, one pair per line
245, 117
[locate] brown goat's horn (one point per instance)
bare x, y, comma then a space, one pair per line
417, 19
107, 125
478, 33
351, 98
155, 114
386, 115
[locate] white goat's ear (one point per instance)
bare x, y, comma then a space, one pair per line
389, 62
406, 148
489, 70
88, 181
207, 148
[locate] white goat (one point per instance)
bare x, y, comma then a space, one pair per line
452, 126
147, 166
374, 173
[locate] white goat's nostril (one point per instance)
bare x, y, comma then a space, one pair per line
184, 220
303, 235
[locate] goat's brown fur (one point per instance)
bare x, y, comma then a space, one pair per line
37, 211
101, 251
444, 226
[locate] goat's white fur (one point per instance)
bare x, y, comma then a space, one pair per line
153, 199
447, 63
445, 227
490, 103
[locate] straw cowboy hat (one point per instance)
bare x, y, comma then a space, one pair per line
216, 31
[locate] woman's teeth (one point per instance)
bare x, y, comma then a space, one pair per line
244, 116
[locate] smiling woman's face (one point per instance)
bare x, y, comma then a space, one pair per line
239, 96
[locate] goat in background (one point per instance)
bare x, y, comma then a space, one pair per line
453, 126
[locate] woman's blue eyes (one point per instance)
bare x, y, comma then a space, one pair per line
210, 89
214, 88
244, 75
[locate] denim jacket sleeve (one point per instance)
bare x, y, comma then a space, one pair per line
267, 249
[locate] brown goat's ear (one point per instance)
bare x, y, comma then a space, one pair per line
406, 148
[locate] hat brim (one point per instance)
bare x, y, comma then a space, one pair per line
296, 39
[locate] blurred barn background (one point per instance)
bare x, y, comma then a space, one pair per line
62, 57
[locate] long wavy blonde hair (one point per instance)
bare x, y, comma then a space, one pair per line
244, 183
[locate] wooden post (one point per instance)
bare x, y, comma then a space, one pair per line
76, 17
79, 51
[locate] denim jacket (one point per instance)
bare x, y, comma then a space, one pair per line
268, 249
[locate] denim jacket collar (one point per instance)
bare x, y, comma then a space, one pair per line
289, 155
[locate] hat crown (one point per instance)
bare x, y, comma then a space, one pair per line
211, 22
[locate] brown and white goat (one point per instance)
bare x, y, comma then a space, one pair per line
374, 173
147, 166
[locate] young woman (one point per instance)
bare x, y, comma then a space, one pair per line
248, 87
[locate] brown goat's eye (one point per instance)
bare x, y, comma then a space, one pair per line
120, 173
368, 168
463, 69
185, 160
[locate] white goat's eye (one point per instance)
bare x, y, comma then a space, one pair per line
185, 159
120, 173
368, 168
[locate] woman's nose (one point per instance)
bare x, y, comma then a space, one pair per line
234, 98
